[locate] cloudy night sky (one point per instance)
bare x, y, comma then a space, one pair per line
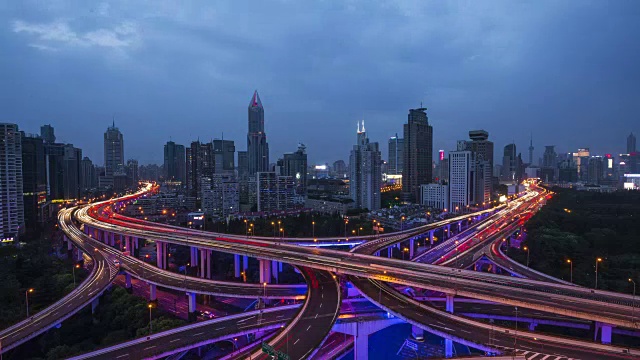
567, 72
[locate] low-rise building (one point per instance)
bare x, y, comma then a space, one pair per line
435, 196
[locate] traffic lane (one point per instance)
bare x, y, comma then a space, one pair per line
157, 346
314, 323
458, 327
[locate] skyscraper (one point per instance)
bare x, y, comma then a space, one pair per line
89, 179
34, 181
396, 155
113, 153
225, 153
631, 143
418, 154
365, 172
461, 179
11, 191
549, 164
509, 163
72, 171
132, 173
200, 163
174, 162
257, 147
47, 133
54, 163
295, 165
482, 150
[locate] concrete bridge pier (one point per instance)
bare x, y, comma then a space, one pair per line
605, 332
431, 237
361, 331
265, 271
274, 270
191, 299
412, 244
161, 254
245, 263
448, 343
152, 292
236, 265
94, 305
193, 256
127, 281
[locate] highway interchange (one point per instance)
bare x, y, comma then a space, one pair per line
368, 273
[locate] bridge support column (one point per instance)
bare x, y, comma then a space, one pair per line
245, 263
112, 239
236, 265
79, 255
389, 252
160, 254
459, 226
203, 262
532, 326
448, 231
127, 281
94, 305
449, 305
605, 332
280, 266
193, 251
191, 299
448, 348
69, 245
265, 271
361, 347
274, 270
412, 244
431, 237
416, 331
208, 252
152, 292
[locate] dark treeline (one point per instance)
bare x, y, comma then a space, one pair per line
582, 226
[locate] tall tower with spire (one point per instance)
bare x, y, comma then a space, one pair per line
257, 147
531, 151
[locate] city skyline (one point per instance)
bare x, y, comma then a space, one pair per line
492, 72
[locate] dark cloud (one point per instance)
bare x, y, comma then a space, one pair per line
565, 72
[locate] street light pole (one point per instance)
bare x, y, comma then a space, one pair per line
633, 301
597, 261
150, 328
571, 268
26, 296
345, 228
527, 250
74, 274
313, 229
